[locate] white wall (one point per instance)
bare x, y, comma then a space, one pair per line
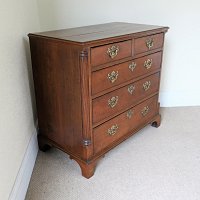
17, 118
180, 77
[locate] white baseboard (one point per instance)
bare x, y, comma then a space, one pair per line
23, 178
175, 99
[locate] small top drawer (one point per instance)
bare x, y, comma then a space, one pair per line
148, 43
111, 52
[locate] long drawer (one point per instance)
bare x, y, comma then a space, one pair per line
111, 103
114, 129
121, 73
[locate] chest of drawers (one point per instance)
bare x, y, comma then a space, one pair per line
95, 86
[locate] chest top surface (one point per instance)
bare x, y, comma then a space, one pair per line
97, 32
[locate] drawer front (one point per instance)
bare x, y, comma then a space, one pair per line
120, 99
112, 76
148, 43
114, 129
111, 52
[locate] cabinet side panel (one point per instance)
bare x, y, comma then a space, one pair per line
56, 76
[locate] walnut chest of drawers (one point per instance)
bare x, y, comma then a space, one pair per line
95, 86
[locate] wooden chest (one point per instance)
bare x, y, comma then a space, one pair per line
96, 86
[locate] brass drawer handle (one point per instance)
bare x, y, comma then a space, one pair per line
145, 111
129, 114
146, 85
148, 63
149, 43
131, 89
113, 101
113, 51
113, 130
113, 76
132, 66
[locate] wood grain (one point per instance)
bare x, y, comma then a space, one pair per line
100, 106
70, 72
125, 124
99, 55
141, 46
124, 72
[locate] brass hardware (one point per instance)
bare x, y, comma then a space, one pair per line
145, 110
131, 88
132, 66
148, 63
146, 85
149, 43
129, 114
113, 101
113, 76
113, 51
113, 130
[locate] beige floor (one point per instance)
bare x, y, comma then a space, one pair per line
154, 164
